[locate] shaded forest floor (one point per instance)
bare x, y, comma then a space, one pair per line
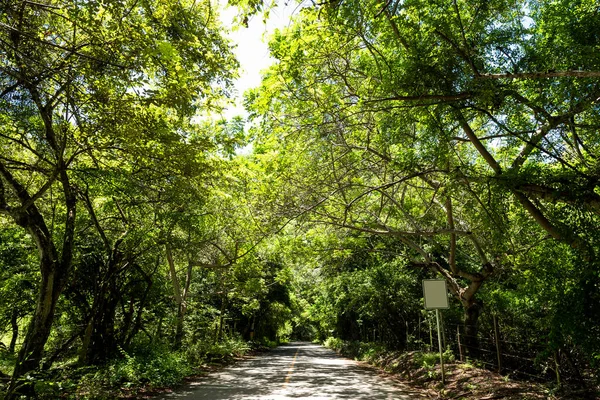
466, 381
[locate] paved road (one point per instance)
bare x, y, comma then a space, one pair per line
295, 371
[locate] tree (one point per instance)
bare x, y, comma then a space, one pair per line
18, 277
400, 111
82, 84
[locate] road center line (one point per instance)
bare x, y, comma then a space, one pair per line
290, 370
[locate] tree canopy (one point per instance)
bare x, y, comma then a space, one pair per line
391, 141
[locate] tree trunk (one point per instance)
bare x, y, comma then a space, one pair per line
54, 274
178, 298
99, 340
30, 355
181, 310
102, 342
15, 330
137, 323
179, 326
472, 312
86, 340
219, 333
158, 334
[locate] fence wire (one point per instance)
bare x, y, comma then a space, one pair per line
495, 352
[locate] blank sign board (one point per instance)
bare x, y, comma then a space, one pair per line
435, 293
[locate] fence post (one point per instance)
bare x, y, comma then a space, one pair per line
460, 349
430, 333
557, 366
497, 339
419, 330
444, 342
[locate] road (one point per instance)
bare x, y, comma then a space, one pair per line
295, 371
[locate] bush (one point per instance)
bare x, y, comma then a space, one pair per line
200, 352
333, 343
144, 365
370, 352
428, 360
154, 366
364, 351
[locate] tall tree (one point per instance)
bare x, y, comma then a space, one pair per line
85, 81
409, 123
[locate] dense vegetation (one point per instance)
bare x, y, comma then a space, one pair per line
391, 142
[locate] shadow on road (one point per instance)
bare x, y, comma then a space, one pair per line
294, 371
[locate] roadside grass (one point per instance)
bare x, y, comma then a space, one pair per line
463, 380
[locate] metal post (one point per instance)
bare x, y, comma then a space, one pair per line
430, 333
437, 317
497, 337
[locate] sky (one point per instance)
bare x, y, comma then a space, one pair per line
252, 51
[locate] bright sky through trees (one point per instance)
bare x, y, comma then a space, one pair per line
251, 47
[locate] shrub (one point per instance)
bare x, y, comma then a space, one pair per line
200, 352
154, 366
428, 360
333, 343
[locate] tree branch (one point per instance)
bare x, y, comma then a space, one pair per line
477, 143
543, 75
442, 97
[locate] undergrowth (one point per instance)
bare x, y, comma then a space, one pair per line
378, 355
463, 380
144, 366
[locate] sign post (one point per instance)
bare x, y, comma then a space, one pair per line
435, 294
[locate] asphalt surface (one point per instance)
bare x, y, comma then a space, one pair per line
295, 371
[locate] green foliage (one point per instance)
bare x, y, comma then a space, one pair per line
144, 366
429, 360
333, 343
154, 366
405, 123
268, 343
198, 352
7, 362
392, 142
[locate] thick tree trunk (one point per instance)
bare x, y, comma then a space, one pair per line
472, 312
54, 274
31, 352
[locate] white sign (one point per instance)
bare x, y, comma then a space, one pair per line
435, 294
